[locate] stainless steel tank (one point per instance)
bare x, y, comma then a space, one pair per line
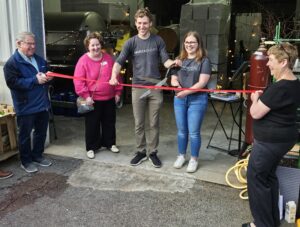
65, 33
112, 13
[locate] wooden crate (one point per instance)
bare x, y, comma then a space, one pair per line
8, 136
6, 109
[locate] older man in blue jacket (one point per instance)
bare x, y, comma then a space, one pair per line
25, 76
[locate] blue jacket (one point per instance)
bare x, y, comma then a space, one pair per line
28, 95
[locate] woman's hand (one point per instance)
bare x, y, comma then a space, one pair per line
181, 94
175, 83
89, 101
117, 98
113, 81
256, 95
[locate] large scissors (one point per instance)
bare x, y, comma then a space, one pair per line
159, 83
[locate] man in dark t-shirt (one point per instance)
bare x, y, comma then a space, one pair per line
146, 51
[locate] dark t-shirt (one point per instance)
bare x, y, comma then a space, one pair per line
146, 56
279, 124
190, 71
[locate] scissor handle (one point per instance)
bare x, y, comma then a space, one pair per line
168, 70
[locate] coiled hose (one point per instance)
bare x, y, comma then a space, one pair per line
240, 170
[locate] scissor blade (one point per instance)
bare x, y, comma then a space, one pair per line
152, 80
149, 79
161, 83
145, 94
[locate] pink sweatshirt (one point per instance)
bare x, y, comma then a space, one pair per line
89, 69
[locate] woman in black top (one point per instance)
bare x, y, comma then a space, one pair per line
275, 133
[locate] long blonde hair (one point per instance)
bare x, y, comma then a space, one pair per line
200, 52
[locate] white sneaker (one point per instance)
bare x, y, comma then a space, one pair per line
114, 149
90, 154
179, 162
192, 166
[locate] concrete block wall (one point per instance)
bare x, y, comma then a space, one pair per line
212, 22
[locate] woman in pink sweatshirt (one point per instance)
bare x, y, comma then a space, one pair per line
100, 130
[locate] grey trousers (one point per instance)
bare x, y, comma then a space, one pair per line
152, 104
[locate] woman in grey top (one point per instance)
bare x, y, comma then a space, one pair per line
189, 105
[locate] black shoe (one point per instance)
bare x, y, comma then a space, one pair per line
246, 224
138, 158
154, 159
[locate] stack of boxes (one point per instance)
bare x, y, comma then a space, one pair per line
212, 22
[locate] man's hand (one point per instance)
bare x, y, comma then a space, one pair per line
42, 78
177, 63
115, 72
173, 63
49, 78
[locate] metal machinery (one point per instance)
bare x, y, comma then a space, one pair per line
259, 78
64, 40
117, 20
115, 16
65, 33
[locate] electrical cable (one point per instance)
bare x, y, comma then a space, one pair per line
240, 170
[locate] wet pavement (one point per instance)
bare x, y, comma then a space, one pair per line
75, 192
107, 191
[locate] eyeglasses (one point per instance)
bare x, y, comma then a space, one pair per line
190, 43
28, 43
282, 48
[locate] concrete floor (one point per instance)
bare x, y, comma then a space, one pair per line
112, 193
213, 164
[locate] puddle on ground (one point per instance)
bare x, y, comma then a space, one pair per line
37, 186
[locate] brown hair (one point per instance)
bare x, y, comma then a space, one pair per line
200, 52
93, 35
283, 51
143, 12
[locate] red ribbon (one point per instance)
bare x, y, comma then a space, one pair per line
52, 74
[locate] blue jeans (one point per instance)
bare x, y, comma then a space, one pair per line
189, 113
38, 122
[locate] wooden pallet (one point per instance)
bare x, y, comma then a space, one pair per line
8, 136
